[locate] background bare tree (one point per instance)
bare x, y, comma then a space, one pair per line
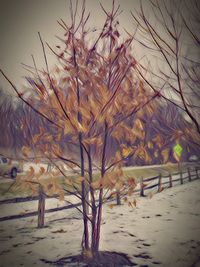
171, 39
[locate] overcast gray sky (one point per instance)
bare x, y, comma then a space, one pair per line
21, 20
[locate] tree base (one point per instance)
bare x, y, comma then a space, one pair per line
101, 259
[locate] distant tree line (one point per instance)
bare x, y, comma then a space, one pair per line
166, 125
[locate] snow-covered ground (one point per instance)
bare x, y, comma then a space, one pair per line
161, 231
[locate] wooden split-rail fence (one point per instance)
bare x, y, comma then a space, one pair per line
160, 182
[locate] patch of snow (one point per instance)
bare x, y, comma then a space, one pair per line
193, 158
36, 166
161, 231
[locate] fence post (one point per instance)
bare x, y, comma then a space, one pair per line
189, 174
181, 177
170, 180
159, 183
197, 172
141, 187
118, 198
41, 207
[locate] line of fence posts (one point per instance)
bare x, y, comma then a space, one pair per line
42, 195
170, 180
41, 202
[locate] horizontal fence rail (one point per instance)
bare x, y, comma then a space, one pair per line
161, 181
23, 199
35, 213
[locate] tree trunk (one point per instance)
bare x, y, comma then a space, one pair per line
103, 166
85, 219
98, 226
94, 208
83, 197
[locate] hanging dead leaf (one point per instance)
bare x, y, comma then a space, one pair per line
165, 155
31, 172
125, 199
26, 151
111, 206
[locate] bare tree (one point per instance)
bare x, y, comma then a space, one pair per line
171, 37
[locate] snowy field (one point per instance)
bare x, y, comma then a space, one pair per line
163, 230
